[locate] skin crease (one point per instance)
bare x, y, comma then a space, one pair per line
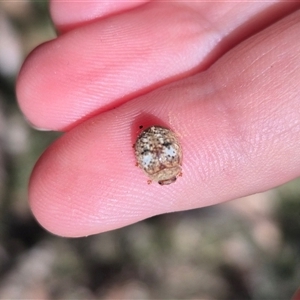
236, 111
79, 14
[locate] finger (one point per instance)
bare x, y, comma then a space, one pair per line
238, 123
102, 65
69, 14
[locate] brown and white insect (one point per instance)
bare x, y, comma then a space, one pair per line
159, 154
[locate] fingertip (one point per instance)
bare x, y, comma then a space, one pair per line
31, 84
60, 85
87, 182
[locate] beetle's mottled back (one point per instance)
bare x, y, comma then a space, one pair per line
159, 154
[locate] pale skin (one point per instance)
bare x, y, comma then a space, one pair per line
224, 76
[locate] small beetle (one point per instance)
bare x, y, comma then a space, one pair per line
159, 154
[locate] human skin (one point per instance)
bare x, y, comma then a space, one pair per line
223, 76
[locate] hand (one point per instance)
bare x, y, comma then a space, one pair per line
225, 77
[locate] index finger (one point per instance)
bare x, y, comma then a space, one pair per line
128, 55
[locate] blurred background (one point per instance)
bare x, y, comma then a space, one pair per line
244, 249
